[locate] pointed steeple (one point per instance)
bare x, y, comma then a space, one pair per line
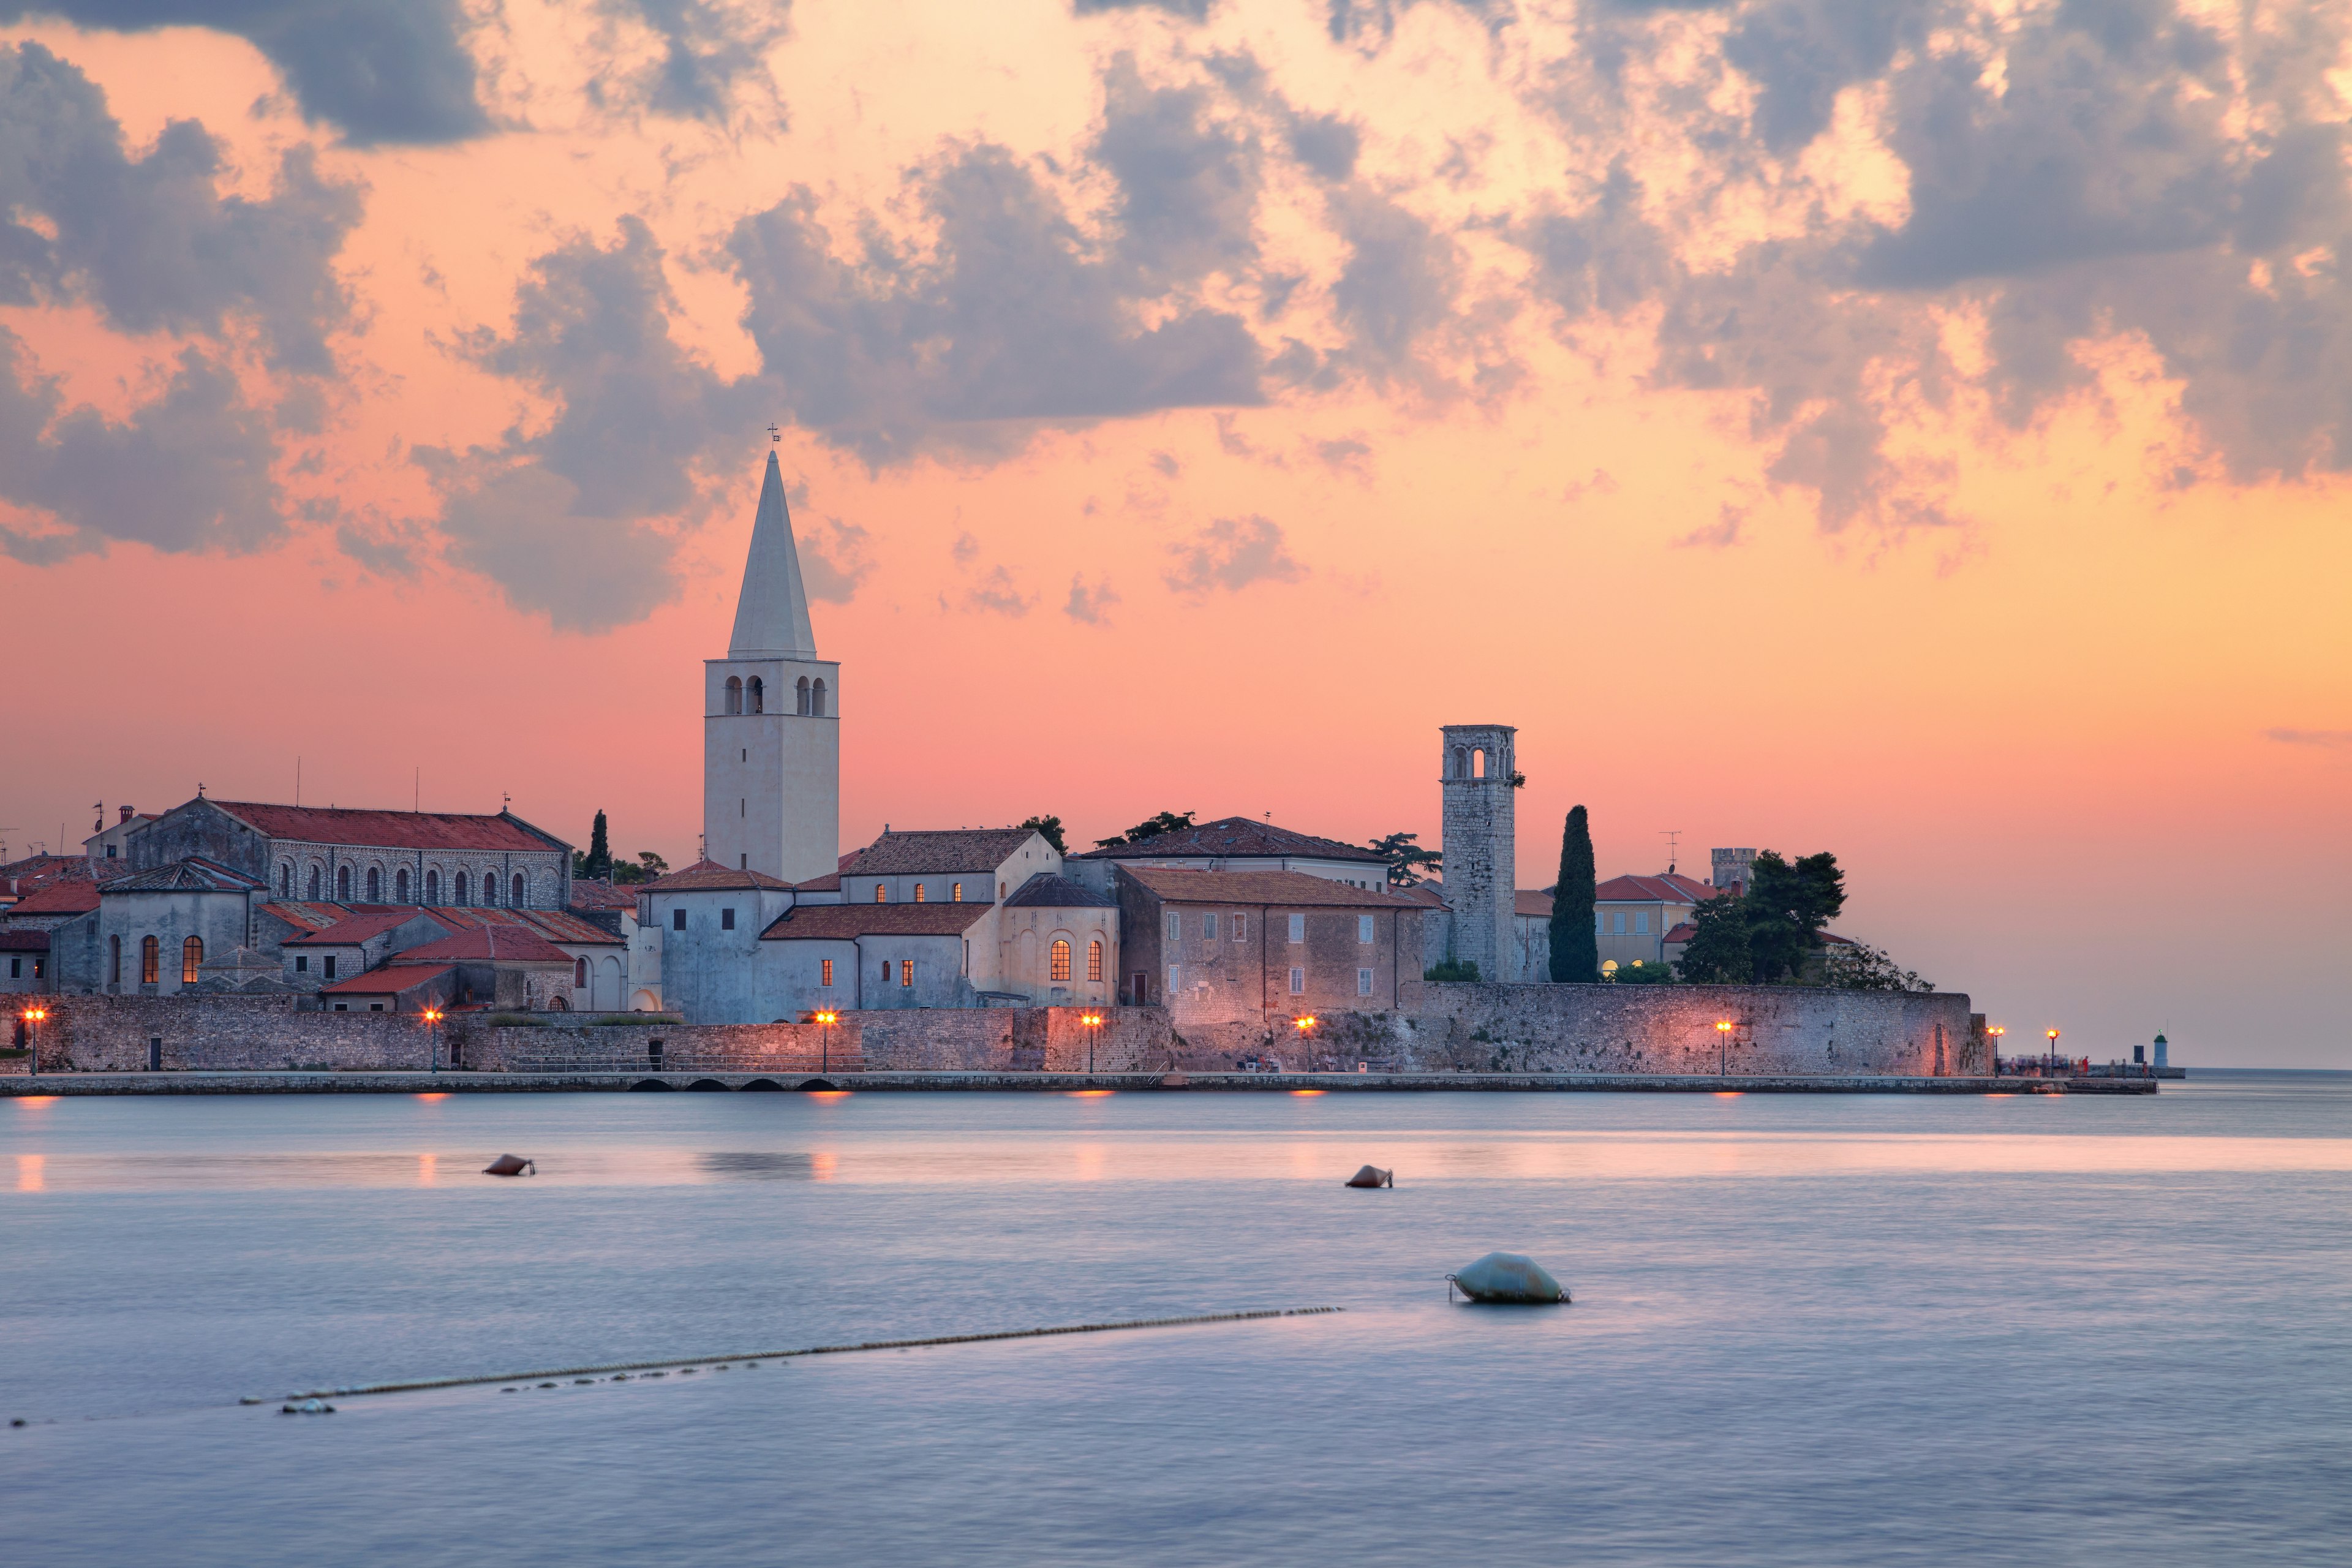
771, 618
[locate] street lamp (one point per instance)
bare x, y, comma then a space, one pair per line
1996, 1031
2051, 1062
33, 1016
1722, 1048
1092, 1021
1306, 1027
824, 1022
433, 1035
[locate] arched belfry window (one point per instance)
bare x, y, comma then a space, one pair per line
314, 884
343, 884
376, 886
285, 880
399, 886
432, 886
489, 890
816, 699
458, 891
734, 695
801, 704
755, 693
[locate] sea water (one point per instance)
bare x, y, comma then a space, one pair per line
1806, 1330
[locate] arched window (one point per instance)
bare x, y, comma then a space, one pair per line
801, 696
1094, 962
579, 971
734, 695
519, 899
816, 699
314, 884
490, 889
192, 955
114, 961
432, 886
1461, 762
881, 892
755, 694
151, 953
285, 879
343, 884
399, 886
375, 884
1478, 763
458, 891
922, 893
1061, 959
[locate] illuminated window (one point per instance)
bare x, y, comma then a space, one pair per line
192, 956
1363, 983
801, 696
922, 893
1209, 925
375, 885
955, 894
343, 884
824, 971
881, 893
1061, 961
519, 899
1299, 928
149, 959
1094, 962
399, 886
1240, 928
906, 972
1363, 928
816, 699
734, 695
1297, 981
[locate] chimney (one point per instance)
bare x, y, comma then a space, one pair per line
126, 816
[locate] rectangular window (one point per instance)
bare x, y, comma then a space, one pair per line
955, 894
824, 971
906, 972
1363, 983
677, 919
1240, 928
1363, 928
302, 963
1175, 928
922, 893
1621, 922
1172, 977
1299, 928
727, 920
15, 969
1209, 926
1642, 922
330, 967
1297, 981
376, 1007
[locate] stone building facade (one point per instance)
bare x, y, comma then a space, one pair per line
1239, 947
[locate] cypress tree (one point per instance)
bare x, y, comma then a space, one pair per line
1575, 954
600, 852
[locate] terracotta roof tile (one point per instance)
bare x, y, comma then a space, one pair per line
190, 873
355, 928
391, 829
1236, 837
71, 897
589, 893
489, 943
841, 922
1529, 901
1684, 930
315, 917
24, 942
710, 877
386, 982
1668, 887
1295, 888
937, 849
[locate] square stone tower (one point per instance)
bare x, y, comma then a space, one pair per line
1481, 845
772, 719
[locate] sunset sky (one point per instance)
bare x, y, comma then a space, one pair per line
1915, 430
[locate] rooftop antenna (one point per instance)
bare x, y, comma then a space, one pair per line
1674, 837
506, 803
99, 825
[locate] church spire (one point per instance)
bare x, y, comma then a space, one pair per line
771, 618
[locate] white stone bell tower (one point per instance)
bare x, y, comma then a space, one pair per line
772, 719
1481, 864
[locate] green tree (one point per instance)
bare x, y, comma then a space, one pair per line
1640, 974
1717, 953
1787, 904
597, 864
1861, 967
1406, 858
1453, 969
1575, 950
1051, 826
649, 865
1151, 827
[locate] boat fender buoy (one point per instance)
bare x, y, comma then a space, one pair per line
1507, 1279
510, 1165
1372, 1176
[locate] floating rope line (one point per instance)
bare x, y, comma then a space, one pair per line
414, 1385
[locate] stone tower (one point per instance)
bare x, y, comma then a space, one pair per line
772, 719
1481, 846
1731, 869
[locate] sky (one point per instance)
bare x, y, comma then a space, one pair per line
1917, 430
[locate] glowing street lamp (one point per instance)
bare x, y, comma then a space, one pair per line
1722, 1048
33, 1016
1996, 1031
1091, 1021
825, 1019
432, 1016
2053, 1034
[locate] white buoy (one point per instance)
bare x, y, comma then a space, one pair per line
1508, 1277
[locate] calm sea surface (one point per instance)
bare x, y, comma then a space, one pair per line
1807, 1330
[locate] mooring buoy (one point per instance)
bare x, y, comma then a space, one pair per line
1372, 1176
510, 1165
1506, 1278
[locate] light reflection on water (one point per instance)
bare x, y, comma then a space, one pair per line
1817, 1330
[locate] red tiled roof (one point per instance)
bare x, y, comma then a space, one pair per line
598, 894
39, 870
1046, 891
68, 897
490, 943
556, 925
710, 877
189, 874
828, 883
1529, 901
1684, 930
1237, 838
1668, 887
1294, 889
391, 829
355, 928
24, 942
316, 917
387, 982
842, 922
937, 849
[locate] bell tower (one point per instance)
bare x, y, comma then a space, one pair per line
1479, 778
772, 719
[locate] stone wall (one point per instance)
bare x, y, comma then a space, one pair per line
198, 1033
